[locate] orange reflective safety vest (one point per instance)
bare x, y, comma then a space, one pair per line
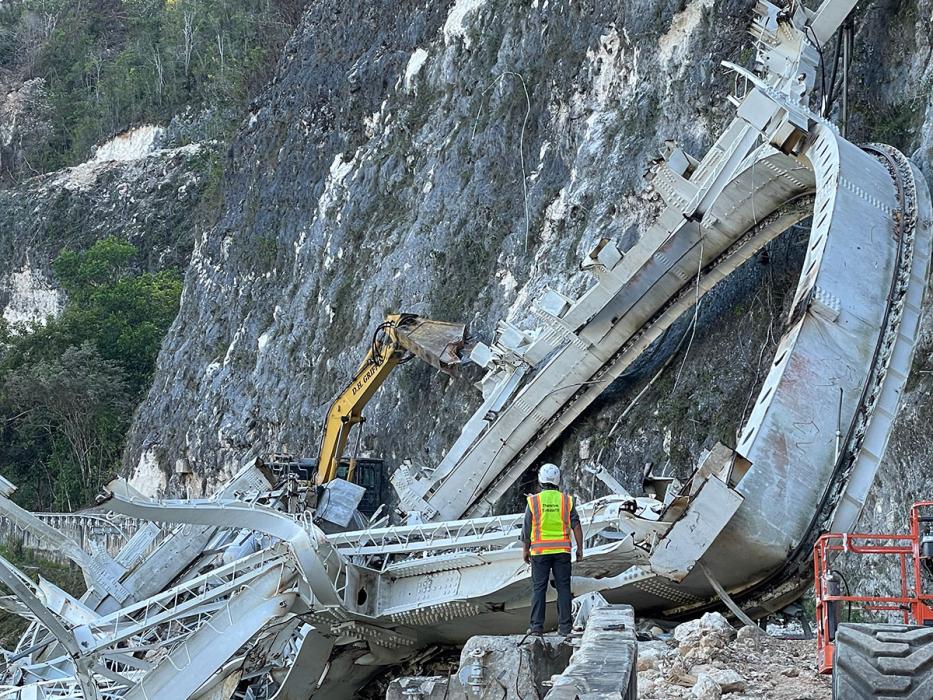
550, 522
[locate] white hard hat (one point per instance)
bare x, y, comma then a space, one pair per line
549, 474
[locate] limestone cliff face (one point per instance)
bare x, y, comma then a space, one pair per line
131, 189
25, 124
451, 160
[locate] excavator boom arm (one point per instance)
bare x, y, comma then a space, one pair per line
434, 342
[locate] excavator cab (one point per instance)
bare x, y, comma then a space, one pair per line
369, 473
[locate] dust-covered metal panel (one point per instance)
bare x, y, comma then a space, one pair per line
241, 591
710, 510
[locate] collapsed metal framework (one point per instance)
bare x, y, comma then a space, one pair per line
242, 595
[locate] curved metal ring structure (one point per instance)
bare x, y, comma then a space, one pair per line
245, 589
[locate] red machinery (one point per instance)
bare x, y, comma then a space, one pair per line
914, 551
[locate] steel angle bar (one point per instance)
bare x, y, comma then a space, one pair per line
100, 668
12, 604
65, 688
481, 540
27, 644
427, 536
124, 658
598, 556
47, 690
96, 574
236, 514
249, 565
178, 614
57, 667
424, 533
14, 580
163, 643
194, 607
196, 659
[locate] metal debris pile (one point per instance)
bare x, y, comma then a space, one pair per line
244, 595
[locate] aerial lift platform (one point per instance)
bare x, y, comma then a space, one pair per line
878, 660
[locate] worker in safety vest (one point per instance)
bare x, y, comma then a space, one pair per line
549, 519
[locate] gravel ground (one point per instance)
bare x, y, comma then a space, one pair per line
709, 659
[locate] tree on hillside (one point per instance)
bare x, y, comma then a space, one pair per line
68, 387
109, 65
122, 313
79, 405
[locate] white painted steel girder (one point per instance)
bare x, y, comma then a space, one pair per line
308, 544
101, 572
190, 664
896, 354
825, 357
847, 352
525, 427
834, 353
20, 585
628, 305
245, 591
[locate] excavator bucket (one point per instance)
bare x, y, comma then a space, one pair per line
436, 342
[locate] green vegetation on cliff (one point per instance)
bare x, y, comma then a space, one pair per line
111, 64
68, 387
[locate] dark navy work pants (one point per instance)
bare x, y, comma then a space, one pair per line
542, 566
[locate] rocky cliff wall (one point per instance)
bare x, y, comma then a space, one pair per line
452, 160
132, 190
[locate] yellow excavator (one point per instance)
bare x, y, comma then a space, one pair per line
399, 338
